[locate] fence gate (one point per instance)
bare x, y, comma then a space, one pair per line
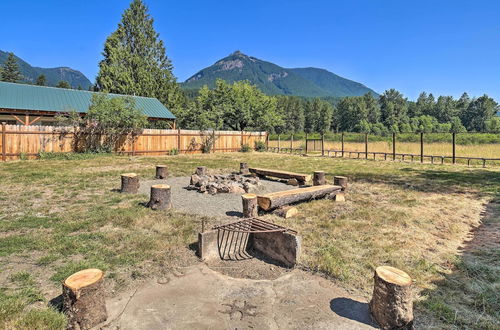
314, 145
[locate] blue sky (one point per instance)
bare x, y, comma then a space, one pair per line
443, 47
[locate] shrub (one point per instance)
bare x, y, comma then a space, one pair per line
245, 148
173, 152
260, 146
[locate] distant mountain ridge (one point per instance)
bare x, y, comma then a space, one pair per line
275, 80
53, 75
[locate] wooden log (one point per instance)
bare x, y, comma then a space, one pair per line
201, 170
161, 198
340, 197
292, 182
161, 171
250, 209
340, 181
392, 303
286, 211
244, 169
274, 200
83, 299
319, 178
130, 183
301, 178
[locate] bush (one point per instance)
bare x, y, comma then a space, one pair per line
260, 146
245, 148
173, 152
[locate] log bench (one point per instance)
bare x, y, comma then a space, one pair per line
301, 178
274, 200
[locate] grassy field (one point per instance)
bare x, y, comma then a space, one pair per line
59, 216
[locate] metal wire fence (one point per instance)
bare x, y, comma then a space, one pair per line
435, 148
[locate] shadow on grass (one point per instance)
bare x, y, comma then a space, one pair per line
438, 180
468, 296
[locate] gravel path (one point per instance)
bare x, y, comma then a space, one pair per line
219, 205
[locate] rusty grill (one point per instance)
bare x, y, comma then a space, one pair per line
232, 238
253, 225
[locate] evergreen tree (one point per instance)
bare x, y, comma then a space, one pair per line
63, 84
479, 112
10, 70
41, 80
393, 108
445, 109
372, 108
462, 106
135, 61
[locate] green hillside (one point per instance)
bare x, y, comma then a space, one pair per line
53, 75
274, 80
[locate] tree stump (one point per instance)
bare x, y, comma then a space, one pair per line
244, 169
201, 170
161, 171
250, 209
130, 183
286, 211
161, 197
392, 303
340, 181
319, 178
83, 299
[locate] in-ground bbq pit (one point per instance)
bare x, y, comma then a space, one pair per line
251, 238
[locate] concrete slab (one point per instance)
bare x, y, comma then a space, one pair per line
201, 298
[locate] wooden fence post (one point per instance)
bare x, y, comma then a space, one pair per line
393, 146
366, 145
4, 156
179, 140
306, 143
342, 140
322, 144
133, 144
267, 141
242, 139
279, 143
291, 143
421, 147
454, 148
213, 141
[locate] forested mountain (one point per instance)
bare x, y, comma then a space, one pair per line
52, 75
275, 80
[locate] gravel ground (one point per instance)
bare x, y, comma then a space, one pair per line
220, 205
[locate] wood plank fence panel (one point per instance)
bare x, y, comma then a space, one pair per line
18, 141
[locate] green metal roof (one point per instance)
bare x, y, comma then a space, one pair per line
41, 98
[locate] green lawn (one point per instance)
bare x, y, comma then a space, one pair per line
61, 215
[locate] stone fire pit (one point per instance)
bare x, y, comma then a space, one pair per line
229, 183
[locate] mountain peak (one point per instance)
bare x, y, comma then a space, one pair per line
273, 79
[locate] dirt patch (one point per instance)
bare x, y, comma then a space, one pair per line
252, 268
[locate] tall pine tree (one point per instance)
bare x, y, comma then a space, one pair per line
135, 61
10, 70
41, 80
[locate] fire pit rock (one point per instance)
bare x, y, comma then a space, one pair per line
231, 183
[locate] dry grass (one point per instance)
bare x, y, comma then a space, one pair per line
59, 216
437, 149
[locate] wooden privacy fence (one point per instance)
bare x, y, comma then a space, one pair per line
29, 141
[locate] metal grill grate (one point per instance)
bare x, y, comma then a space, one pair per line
253, 225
